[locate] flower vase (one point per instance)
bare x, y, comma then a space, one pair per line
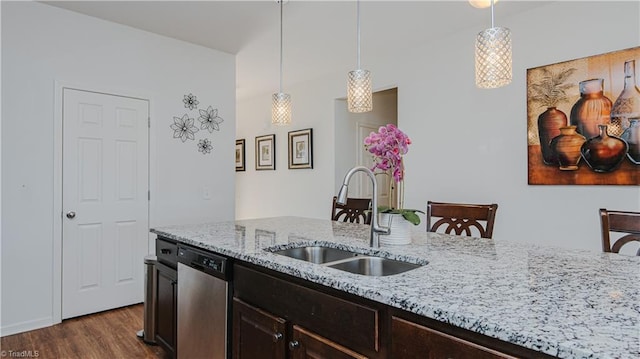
549, 123
632, 136
604, 153
627, 105
566, 148
592, 109
400, 229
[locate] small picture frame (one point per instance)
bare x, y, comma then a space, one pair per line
266, 152
301, 149
240, 157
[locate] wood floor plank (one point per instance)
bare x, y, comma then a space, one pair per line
110, 334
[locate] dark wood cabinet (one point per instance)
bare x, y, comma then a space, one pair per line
256, 333
305, 344
166, 300
413, 341
260, 334
341, 322
166, 295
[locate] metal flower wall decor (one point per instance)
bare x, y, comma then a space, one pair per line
190, 101
210, 120
204, 146
184, 127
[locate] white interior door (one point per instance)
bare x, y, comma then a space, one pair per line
364, 187
104, 200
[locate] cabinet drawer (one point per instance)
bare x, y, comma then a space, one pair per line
167, 252
413, 341
353, 325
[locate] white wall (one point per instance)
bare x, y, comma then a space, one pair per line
346, 140
42, 44
469, 145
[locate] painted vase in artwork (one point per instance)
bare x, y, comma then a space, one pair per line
604, 153
549, 124
566, 148
632, 136
627, 105
592, 109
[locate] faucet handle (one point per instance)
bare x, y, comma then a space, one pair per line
381, 229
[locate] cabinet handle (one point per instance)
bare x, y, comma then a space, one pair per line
277, 337
165, 251
294, 344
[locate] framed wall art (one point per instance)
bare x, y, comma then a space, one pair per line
240, 157
266, 152
301, 149
583, 121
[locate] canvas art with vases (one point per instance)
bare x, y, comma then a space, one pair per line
583, 121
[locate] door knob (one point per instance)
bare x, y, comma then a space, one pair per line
293, 344
277, 337
71, 214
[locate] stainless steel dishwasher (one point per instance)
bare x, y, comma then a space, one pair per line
203, 302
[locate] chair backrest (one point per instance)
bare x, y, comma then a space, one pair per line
621, 222
460, 218
356, 210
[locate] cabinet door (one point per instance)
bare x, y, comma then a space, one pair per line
307, 345
256, 333
413, 341
166, 311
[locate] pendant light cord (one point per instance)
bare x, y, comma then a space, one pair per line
492, 26
358, 31
281, 3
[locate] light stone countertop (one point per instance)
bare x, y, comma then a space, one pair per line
566, 303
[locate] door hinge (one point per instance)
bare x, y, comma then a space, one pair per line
149, 195
149, 122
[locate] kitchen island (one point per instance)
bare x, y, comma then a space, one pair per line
564, 303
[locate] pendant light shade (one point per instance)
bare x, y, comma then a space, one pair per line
493, 56
281, 102
481, 4
359, 93
281, 109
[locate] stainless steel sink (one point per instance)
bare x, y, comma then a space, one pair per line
348, 261
374, 266
317, 254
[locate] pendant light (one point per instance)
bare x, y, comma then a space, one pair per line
281, 108
359, 95
493, 56
481, 4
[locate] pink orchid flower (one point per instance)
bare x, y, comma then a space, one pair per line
388, 146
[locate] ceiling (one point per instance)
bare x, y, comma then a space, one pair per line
319, 36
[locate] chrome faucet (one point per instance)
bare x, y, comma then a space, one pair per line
374, 241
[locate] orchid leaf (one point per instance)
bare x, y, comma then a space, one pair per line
411, 217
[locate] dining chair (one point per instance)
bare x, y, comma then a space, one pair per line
357, 210
619, 222
461, 219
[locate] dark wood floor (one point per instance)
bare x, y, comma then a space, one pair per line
110, 334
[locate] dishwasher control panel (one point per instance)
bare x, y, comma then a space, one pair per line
210, 263
207, 262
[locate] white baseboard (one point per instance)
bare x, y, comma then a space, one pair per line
26, 326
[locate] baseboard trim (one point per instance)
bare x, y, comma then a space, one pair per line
26, 326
